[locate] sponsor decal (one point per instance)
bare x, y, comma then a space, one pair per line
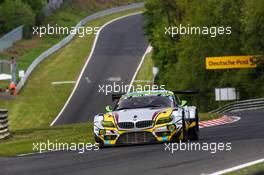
231, 62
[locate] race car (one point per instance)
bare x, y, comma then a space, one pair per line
147, 117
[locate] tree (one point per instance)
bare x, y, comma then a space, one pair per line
181, 59
14, 13
37, 7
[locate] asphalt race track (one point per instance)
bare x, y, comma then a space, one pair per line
117, 54
246, 136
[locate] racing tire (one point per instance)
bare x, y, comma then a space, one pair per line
193, 133
184, 130
98, 141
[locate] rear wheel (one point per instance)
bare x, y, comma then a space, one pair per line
184, 130
193, 133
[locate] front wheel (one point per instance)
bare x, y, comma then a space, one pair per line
98, 141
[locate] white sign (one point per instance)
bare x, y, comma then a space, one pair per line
5, 77
155, 71
225, 94
21, 73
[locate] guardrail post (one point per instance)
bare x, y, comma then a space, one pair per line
4, 131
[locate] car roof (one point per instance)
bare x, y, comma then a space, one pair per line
148, 93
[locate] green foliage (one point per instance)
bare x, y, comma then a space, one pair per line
181, 59
11, 17
253, 26
37, 7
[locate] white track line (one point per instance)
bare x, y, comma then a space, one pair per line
30, 154
148, 50
87, 61
63, 82
37, 153
238, 167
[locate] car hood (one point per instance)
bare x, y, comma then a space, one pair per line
133, 115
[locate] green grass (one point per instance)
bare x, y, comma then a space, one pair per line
252, 170
21, 141
39, 102
209, 116
145, 72
144, 78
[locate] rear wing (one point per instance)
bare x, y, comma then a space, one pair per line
191, 91
117, 96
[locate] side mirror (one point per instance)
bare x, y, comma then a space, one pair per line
184, 103
108, 109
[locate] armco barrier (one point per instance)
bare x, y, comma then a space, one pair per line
10, 38
241, 106
4, 132
67, 39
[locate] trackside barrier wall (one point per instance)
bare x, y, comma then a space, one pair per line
4, 132
10, 38
67, 39
241, 106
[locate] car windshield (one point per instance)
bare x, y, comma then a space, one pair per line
145, 102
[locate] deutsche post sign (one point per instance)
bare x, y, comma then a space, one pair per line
231, 62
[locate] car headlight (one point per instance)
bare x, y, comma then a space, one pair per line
107, 124
164, 120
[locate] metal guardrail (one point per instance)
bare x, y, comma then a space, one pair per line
241, 106
10, 38
4, 131
67, 39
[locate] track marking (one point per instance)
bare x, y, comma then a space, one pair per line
148, 50
143, 81
221, 121
34, 153
87, 61
114, 79
238, 167
63, 82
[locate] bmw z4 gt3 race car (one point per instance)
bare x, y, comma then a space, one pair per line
147, 117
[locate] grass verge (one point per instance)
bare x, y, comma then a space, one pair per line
145, 72
21, 141
209, 116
